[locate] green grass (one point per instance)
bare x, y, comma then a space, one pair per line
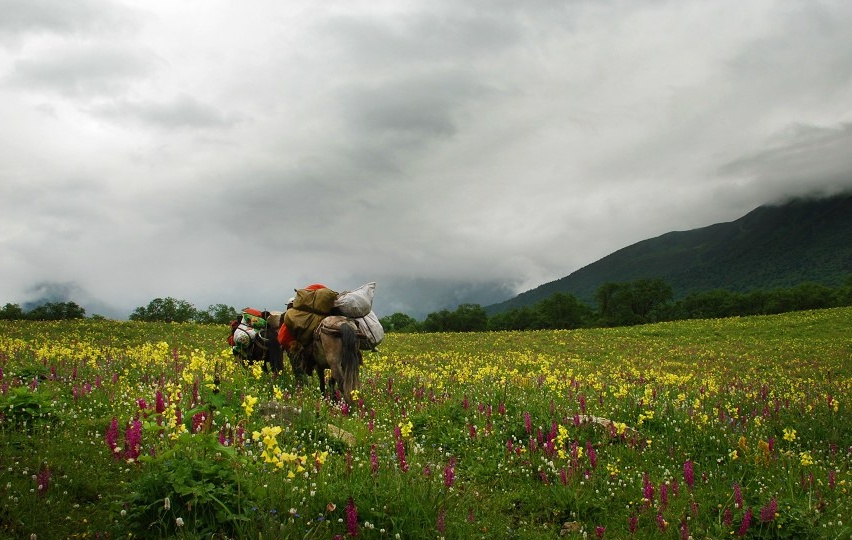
492, 428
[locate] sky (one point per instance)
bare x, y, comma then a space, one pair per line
451, 151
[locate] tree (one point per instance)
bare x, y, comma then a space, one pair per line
399, 322
217, 314
56, 311
633, 302
469, 318
562, 311
438, 321
11, 312
166, 310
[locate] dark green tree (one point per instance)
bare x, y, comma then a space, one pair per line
11, 312
56, 311
399, 322
469, 318
634, 302
440, 321
217, 314
165, 310
562, 311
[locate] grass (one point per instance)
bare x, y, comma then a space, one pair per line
716, 428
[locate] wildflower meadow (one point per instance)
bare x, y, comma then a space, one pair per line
725, 428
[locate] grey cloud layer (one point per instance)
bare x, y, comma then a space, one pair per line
452, 152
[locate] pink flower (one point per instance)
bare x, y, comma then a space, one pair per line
661, 522
400, 454
450, 473
374, 460
351, 518
43, 479
111, 437
688, 473
133, 440
745, 523
767, 513
647, 489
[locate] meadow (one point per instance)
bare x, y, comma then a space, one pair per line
725, 428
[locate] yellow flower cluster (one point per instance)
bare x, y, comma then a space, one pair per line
248, 405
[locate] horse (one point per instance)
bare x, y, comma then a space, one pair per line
264, 347
335, 346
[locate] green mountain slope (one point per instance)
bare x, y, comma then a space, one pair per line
770, 247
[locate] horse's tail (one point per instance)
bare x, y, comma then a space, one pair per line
349, 358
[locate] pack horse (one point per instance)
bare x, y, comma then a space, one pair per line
335, 347
320, 329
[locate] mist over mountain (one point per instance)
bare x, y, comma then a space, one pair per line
775, 245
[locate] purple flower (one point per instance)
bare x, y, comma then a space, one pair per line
43, 479
400, 454
374, 460
647, 489
738, 496
111, 437
351, 518
767, 513
133, 440
745, 523
450, 473
688, 473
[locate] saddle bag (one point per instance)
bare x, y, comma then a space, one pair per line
358, 303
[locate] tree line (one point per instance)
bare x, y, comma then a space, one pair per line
616, 304
160, 309
625, 304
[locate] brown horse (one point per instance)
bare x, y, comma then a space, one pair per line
335, 347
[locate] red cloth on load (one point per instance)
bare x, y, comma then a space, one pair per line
285, 338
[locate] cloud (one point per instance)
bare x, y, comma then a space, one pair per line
181, 112
451, 152
63, 17
85, 71
804, 160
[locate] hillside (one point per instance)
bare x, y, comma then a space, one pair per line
772, 246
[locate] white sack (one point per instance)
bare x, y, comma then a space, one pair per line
371, 329
358, 303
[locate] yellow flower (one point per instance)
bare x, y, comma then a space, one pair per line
279, 395
733, 455
806, 459
405, 429
789, 434
248, 404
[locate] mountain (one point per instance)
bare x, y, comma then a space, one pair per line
770, 247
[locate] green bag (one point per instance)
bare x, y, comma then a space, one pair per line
310, 307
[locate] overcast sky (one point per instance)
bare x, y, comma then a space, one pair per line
450, 150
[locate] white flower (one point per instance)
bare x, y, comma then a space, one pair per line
167, 504
179, 522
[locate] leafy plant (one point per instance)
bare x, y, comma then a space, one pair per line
194, 487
